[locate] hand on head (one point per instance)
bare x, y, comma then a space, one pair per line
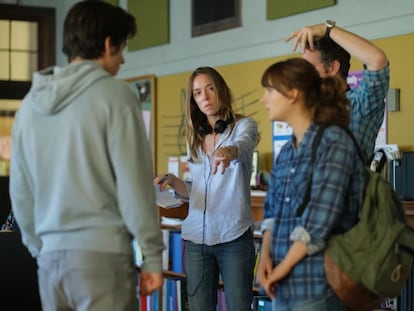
306, 36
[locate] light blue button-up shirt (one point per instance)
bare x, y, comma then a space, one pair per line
219, 206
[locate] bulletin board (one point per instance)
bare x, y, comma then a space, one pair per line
144, 87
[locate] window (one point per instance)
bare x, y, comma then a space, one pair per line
27, 44
18, 50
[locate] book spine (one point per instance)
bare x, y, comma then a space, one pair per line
177, 249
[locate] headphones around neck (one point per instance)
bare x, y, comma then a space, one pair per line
219, 127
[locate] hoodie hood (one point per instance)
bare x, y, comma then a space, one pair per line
54, 88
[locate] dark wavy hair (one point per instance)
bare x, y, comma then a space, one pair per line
89, 23
331, 51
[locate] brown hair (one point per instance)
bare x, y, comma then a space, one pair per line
325, 96
195, 119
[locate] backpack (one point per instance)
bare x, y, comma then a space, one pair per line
374, 258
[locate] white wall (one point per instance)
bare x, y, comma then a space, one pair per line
256, 39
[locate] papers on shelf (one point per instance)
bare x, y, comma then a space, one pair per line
258, 193
165, 198
171, 221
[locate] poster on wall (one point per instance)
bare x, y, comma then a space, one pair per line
282, 132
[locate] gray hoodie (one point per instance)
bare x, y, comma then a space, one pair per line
81, 168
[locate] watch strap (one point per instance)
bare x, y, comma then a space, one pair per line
329, 25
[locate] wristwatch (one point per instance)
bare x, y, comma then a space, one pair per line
329, 25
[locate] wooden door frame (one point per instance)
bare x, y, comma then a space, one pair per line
46, 20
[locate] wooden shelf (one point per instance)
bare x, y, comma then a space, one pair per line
175, 212
173, 275
171, 227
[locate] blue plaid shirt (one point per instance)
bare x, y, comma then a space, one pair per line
368, 106
336, 197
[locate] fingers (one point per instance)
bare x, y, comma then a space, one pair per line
215, 166
270, 289
158, 179
307, 40
220, 160
303, 37
290, 36
224, 165
162, 180
264, 269
150, 282
267, 284
293, 35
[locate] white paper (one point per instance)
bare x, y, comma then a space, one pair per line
171, 221
165, 198
174, 166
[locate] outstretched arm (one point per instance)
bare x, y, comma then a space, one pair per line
363, 50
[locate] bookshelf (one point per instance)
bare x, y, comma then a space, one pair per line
181, 212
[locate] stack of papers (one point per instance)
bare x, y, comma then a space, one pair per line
165, 199
171, 221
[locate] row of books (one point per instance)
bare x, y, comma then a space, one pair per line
174, 293
173, 254
148, 303
172, 297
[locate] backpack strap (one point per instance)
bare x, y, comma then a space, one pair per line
357, 147
315, 145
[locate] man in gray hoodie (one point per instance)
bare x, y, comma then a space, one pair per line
81, 171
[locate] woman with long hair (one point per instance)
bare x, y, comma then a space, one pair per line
218, 228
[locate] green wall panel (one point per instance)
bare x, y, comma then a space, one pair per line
282, 8
152, 18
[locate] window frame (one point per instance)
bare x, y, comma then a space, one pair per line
46, 20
